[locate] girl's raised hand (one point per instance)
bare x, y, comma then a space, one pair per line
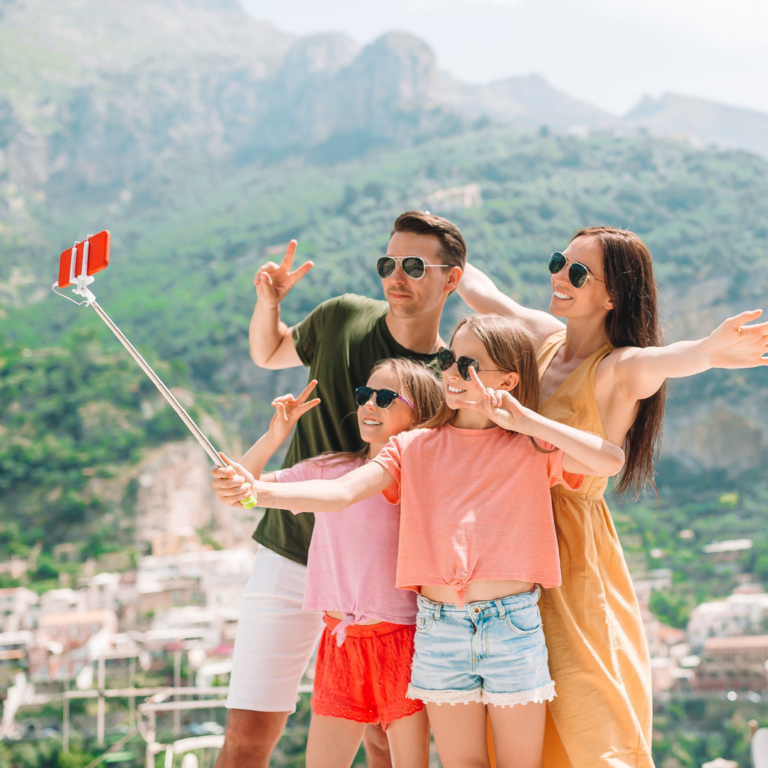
497, 404
289, 409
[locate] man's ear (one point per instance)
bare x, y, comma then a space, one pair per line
454, 276
511, 380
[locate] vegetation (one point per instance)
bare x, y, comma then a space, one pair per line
70, 415
76, 414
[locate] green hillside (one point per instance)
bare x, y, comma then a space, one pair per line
186, 245
76, 415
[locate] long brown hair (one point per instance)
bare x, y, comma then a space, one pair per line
509, 346
633, 322
417, 383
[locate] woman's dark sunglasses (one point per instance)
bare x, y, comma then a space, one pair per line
384, 397
445, 360
578, 274
413, 266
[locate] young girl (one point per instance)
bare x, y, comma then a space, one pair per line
477, 539
364, 657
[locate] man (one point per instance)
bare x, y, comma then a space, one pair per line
340, 341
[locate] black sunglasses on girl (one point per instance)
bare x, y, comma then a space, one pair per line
413, 266
578, 274
445, 360
384, 397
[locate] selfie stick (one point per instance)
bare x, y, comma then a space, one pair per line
82, 281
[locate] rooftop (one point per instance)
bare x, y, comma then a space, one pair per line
739, 643
76, 618
734, 545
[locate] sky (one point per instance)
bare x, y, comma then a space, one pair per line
607, 52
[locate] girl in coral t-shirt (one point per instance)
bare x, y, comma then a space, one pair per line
477, 539
364, 657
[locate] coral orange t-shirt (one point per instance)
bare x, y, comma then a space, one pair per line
474, 505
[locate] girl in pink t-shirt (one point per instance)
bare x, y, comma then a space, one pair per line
477, 539
364, 657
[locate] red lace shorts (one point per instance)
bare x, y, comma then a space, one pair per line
366, 678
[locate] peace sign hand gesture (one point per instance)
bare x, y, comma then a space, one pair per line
273, 281
289, 409
497, 404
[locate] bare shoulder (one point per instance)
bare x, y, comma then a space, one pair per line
622, 373
614, 364
542, 325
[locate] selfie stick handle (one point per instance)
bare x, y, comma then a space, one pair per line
248, 503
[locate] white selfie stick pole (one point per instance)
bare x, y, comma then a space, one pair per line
83, 281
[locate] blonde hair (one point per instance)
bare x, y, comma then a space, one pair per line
511, 350
418, 384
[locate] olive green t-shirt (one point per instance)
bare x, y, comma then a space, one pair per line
340, 341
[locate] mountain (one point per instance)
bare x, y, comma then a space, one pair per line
94, 97
531, 102
205, 140
528, 101
703, 122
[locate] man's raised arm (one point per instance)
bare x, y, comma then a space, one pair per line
269, 338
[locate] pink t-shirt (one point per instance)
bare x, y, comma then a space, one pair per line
474, 504
353, 556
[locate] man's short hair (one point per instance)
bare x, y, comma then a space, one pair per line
453, 249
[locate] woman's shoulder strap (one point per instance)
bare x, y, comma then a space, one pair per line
548, 350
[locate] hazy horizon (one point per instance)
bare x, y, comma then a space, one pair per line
609, 53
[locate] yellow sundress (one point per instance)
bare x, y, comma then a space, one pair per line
598, 655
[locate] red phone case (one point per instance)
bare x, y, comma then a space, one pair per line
98, 258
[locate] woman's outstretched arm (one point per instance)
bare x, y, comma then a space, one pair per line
481, 294
640, 372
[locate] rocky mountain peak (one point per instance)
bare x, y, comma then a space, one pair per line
403, 67
317, 55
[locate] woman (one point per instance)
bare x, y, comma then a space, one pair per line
604, 372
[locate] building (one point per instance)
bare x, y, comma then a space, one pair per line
213, 578
103, 592
733, 664
212, 627
162, 595
15, 603
176, 542
667, 674
223, 581
16, 567
727, 551
14, 650
57, 601
738, 614
468, 196
59, 638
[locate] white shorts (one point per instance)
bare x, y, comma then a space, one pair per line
275, 637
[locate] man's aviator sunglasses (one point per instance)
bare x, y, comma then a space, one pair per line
445, 360
578, 274
413, 266
384, 397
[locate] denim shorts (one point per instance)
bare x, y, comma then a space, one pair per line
491, 652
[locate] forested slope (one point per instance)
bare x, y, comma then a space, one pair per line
186, 243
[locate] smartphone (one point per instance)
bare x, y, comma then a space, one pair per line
97, 258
